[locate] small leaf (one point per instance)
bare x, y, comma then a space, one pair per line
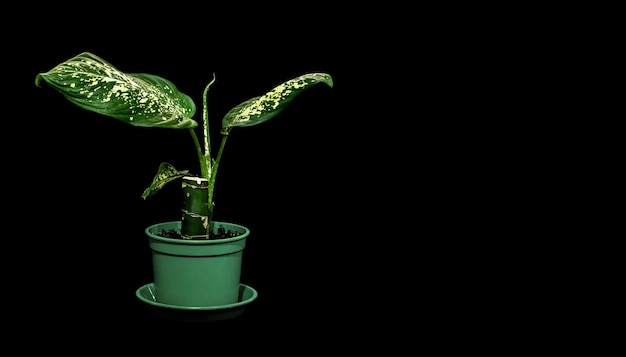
167, 173
136, 99
260, 109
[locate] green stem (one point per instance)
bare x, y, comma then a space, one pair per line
214, 173
205, 165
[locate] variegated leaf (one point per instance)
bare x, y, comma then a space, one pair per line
260, 109
167, 173
137, 99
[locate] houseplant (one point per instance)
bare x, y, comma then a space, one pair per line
196, 260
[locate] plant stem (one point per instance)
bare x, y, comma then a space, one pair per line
204, 165
214, 173
207, 171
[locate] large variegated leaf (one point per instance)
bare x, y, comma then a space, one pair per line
260, 109
167, 173
137, 99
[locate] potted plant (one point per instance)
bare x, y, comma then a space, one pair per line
196, 260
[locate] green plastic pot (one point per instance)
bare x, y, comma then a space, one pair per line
196, 273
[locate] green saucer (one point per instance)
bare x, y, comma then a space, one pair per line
196, 313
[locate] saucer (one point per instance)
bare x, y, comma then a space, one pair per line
197, 313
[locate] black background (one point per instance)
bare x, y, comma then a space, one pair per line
308, 184
365, 201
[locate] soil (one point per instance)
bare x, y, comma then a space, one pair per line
220, 234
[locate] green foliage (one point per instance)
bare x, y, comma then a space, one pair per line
167, 173
136, 99
260, 109
147, 100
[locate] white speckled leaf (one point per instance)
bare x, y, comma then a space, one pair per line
167, 173
260, 109
136, 99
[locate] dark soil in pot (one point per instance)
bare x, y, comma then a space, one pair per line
221, 233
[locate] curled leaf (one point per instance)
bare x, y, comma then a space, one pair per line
136, 99
167, 173
260, 109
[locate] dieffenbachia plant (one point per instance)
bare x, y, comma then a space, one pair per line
147, 100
